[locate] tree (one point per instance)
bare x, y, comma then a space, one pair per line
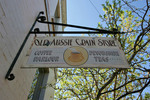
114, 84
147, 96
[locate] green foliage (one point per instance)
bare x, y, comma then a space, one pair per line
110, 84
113, 84
147, 96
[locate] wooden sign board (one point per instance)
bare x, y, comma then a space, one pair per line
71, 52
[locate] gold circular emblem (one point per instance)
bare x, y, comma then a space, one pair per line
75, 56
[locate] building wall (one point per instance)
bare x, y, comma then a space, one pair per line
16, 19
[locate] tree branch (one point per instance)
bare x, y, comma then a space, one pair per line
125, 84
106, 84
135, 52
135, 91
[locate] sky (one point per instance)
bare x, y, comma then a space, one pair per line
86, 13
83, 13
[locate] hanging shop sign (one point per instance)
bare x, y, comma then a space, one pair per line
71, 52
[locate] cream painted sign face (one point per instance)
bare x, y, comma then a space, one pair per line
86, 52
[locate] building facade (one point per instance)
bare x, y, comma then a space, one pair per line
16, 19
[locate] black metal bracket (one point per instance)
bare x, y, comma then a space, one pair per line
10, 76
42, 19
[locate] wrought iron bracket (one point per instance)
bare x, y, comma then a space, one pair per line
42, 19
10, 76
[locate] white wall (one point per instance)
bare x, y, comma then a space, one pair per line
16, 19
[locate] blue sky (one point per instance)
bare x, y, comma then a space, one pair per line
83, 13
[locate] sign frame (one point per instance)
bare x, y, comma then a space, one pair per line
115, 46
